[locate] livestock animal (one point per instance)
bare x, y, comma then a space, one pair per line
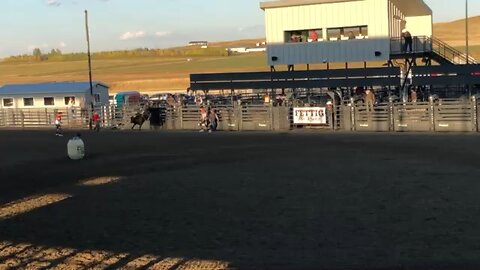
140, 118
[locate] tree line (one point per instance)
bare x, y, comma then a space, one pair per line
57, 55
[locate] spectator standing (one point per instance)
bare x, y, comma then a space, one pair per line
71, 106
408, 40
96, 121
370, 99
313, 35
413, 95
171, 100
351, 35
198, 100
58, 124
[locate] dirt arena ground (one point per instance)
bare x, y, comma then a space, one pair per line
298, 200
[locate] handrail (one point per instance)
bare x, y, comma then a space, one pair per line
425, 44
451, 54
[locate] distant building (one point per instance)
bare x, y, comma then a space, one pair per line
198, 43
247, 50
327, 31
51, 95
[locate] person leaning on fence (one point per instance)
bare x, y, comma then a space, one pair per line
96, 121
413, 95
408, 41
71, 106
58, 124
370, 99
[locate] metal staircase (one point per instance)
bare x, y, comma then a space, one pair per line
446, 54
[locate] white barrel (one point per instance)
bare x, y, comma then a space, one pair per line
76, 148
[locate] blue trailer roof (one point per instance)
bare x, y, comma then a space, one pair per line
50, 88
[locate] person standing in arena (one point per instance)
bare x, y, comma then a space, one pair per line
213, 120
96, 121
58, 124
203, 119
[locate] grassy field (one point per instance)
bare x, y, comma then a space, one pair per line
146, 74
454, 32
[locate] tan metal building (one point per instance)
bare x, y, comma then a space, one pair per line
327, 31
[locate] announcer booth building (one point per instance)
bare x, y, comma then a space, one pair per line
329, 31
53, 95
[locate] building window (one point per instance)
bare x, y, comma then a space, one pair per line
315, 35
97, 98
334, 33
351, 32
312, 35
28, 102
8, 102
347, 33
49, 101
69, 101
364, 31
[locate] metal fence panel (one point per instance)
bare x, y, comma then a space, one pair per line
412, 116
256, 118
190, 116
229, 118
342, 118
45, 117
376, 119
281, 118
172, 119
453, 116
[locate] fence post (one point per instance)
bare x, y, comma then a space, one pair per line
391, 114
474, 114
352, 115
180, 116
2, 117
330, 116
432, 114
240, 117
14, 119
271, 117
69, 121
22, 118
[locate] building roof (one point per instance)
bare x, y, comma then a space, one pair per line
48, 88
408, 7
292, 3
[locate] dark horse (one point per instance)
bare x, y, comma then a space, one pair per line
140, 118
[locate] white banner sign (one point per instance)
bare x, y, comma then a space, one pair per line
310, 115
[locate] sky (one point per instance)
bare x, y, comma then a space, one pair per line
129, 24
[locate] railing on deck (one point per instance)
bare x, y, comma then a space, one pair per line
424, 44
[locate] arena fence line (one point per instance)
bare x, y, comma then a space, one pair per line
441, 115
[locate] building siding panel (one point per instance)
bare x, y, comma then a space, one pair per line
420, 25
346, 51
